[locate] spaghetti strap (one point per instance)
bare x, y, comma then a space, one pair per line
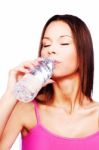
36, 111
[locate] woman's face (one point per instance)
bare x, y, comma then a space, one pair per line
58, 44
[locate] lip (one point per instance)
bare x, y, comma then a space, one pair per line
56, 62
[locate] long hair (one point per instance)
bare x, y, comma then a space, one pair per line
84, 47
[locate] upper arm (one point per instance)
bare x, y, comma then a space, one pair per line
98, 117
12, 129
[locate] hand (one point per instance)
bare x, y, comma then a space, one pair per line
16, 73
48, 82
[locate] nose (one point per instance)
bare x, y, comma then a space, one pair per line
51, 51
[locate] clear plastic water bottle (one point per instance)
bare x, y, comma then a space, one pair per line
30, 84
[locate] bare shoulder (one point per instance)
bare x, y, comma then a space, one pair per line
22, 116
22, 108
94, 106
26, 111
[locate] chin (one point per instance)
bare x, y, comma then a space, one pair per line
58, 75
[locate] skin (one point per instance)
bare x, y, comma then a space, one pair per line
70, 118
6, 107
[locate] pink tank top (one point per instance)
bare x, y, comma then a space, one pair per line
40, 138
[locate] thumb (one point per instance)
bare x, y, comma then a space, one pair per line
48, 82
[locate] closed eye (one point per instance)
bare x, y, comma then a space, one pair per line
65, 44
46, 45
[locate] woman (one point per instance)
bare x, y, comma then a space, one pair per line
63, 115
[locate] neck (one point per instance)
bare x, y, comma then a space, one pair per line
67, 93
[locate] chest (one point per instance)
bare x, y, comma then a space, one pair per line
59, 123
77, 125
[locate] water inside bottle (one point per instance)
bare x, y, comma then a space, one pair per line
29, 85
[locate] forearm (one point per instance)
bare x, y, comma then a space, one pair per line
7, 103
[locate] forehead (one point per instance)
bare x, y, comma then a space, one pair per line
58, 28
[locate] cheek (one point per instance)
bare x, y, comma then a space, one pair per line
43, 53
70, 58
68, 66
71, 67
71, 62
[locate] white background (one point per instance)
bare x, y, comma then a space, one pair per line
21, 23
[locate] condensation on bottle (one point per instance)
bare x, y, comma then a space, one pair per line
27, 88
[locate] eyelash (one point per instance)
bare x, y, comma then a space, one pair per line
65, 44
45, 45
60, 44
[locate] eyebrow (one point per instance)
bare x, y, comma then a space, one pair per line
48, 38
66, 35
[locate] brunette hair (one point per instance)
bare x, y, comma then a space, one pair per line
84, 47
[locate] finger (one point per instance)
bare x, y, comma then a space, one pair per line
37, 61
30, 64
18, 70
